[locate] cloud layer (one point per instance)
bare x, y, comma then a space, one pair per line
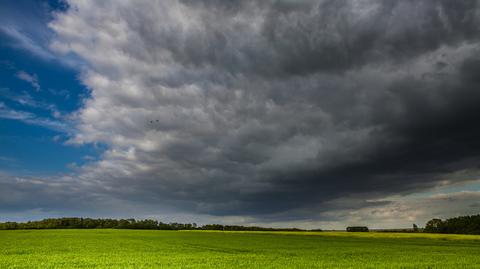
275, 109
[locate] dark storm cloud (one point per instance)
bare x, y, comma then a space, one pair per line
304, 37
275, 109
413, 150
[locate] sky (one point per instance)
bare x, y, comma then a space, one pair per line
280, 113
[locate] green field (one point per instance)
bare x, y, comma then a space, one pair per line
197, 249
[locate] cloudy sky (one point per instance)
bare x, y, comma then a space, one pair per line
313, 114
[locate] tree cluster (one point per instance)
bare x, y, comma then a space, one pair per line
89, 223
458, 225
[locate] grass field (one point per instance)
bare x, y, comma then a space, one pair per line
197, 249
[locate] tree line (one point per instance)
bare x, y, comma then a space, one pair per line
220, 227
147, 224
458, 225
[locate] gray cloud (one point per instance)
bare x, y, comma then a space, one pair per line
274, 109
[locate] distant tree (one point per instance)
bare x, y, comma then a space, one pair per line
415, 227
433, 226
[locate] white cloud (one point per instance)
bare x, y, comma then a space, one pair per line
23, 41
32, 79
25, 99
30, 118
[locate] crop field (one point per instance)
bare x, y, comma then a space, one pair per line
205, 249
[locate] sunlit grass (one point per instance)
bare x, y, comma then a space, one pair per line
216, 249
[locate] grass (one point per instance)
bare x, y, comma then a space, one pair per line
197, 249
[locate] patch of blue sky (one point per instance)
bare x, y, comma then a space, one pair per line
28, 150
39, 91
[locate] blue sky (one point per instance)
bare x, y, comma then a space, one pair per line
38, 94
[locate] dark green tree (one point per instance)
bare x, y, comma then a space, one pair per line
434, 226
